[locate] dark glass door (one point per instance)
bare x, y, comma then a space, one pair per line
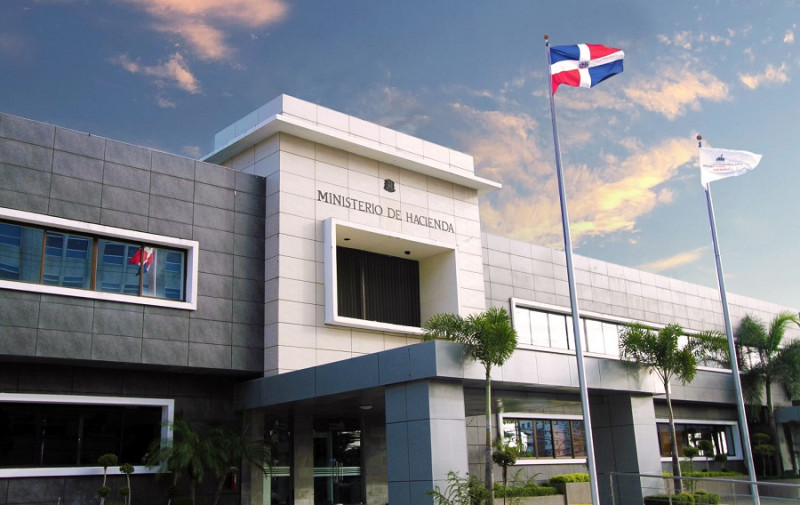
337, 464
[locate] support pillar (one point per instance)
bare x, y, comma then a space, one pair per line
626, 440
426, 438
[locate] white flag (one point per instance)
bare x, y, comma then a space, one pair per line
718, 164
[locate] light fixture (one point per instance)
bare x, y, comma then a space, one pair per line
365, 406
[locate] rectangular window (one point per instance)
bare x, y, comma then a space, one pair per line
546, 438
554, 330
74, 435
558, 330
689, 434
20, 252
522, 323
377, 287
540, 334
594, 336
52, 257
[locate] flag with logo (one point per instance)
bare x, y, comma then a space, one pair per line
583, 65
718, 164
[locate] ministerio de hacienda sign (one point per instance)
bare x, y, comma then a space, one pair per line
378, 210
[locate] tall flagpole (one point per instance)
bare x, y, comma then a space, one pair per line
745, 433
573, 299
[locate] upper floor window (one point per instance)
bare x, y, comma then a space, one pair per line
72, 260
552, 330
58, 256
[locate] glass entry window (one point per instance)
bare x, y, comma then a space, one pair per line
337, 463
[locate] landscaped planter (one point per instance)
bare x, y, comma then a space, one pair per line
574, 492
785, 492
556, 499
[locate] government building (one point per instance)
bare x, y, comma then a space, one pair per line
279, 285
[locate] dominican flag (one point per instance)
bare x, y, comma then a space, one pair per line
141, 256
583, 65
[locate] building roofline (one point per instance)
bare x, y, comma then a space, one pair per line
308, 121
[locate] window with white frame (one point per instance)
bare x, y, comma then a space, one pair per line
59, 256
555, 330
44, 435
689, 434
380, 280
546, 438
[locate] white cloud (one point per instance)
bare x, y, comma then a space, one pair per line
770, 75
603, 199
677, 90
678, 260
174, 71
201, 24
789, 37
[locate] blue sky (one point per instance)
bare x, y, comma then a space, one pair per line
470, 75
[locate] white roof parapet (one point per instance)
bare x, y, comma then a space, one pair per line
286, 114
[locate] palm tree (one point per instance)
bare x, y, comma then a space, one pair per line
776, 363
490, 339
660, 352
216, 449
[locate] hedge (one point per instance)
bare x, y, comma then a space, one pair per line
523, 491
569, 478
674, 499
698, 498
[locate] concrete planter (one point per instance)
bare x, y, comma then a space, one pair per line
575, 492
556, 499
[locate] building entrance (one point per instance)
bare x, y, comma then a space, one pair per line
337, 463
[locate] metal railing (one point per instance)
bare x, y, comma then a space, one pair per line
630, 489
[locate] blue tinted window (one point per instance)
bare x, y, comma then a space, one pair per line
130, 268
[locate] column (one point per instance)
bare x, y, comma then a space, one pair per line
425, 437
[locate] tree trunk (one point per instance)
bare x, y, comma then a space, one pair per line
773, 425
488, 474
676, 465
218, 490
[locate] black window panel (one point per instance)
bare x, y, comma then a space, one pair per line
55, 435
377, 287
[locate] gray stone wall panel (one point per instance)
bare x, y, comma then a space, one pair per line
172, 209
73, 345
120, 153
171, 187
69, 189
24, 180
212, 174
23, 201
127, 177
165, 326
125, 220
25, 130
116, 348
79, 167
170, 164
63, 173
82, 144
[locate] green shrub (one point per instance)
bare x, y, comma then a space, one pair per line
676, 499
725, 473
569, 478
459, 491
706, 498
523, 491
713, 474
